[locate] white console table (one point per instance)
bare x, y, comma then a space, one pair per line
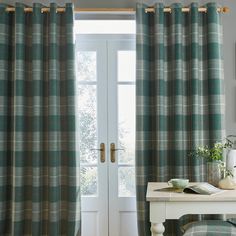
166, 204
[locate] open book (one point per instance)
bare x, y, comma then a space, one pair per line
203, 188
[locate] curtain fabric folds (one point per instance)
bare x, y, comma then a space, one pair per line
179, 96
39, 190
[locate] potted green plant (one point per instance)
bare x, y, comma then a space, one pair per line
214, 157
211, 154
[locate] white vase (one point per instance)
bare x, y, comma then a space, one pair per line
234, 174
231, 161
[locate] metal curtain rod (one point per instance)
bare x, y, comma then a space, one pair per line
125, 10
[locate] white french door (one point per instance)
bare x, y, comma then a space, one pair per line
106, 113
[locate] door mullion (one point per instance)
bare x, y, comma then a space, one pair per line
102, 125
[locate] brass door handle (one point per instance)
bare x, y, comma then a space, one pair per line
102, 152
113, 149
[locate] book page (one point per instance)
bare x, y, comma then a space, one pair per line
204, 188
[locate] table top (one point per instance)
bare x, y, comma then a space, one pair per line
161, 192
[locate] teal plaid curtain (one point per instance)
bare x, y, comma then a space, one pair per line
179, 96
39, 190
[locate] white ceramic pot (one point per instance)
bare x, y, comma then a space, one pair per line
227, 183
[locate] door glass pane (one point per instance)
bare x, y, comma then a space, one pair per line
126, 66
126, 123
126, 181
87, 121
88, 181
86, 66
87, 105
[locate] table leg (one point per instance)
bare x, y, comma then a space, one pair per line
157, 229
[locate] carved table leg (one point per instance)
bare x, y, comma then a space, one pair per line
157, 229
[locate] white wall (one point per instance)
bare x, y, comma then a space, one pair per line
229, 52
229, 37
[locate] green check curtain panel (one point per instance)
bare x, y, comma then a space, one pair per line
179, 96
39, 188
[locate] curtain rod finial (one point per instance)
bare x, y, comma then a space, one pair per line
225, 9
